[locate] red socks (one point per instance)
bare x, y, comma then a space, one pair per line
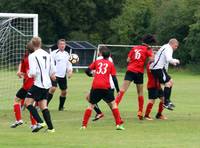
17, 111
86, 117
33, 121
140, 103
119, 97
148, 109
117, 117
160, 109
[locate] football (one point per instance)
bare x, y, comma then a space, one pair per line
74, 58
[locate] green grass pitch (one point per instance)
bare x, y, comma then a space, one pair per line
181, 130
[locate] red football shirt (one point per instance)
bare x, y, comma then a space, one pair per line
151, 83
28, 82
103, 69
138, 56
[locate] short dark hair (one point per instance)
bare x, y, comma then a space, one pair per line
105, 51
149, 39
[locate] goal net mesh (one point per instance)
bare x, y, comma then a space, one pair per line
15, 32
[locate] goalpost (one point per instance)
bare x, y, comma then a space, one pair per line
15, 31
119, 54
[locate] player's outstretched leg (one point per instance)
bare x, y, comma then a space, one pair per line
18, 118
116, 115
47, 118
159, 114
86, 117
148, 110
124, 88
140, 107
33, 122
119, 97
99, 114
49, 97
167, 94
36, 116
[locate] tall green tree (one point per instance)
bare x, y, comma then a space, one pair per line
133, 23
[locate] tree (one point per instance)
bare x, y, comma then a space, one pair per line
133, 23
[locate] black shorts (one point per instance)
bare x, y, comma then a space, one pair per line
37, 93
21, 94
154, 93
62, 82
161, 75
97, 94
137, 78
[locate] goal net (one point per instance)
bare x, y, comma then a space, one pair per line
15, 31
119, 54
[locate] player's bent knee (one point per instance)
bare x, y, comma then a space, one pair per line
17, 100
152, 101
63, 93
87, 98
91, 106
52, 90
113, 105
168, 84
172, 82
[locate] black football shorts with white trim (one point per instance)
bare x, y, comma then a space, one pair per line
21, 93
37, 93
97, 94
61, 82
161, 75
137, 78
154, 93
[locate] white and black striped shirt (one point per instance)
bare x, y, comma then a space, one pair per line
163, 57
62, 64
42, 67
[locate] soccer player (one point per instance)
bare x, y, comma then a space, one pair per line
101, 88
98, 111
154, 91
42, 70
135, 69
22, 92
160, 66
63, 71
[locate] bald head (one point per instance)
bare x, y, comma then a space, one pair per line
173, 43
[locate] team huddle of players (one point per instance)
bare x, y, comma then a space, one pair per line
43, 71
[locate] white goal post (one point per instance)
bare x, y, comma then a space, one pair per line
15, 31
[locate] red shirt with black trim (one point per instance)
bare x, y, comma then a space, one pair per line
138, 56
103, 69
27, 82
151, 83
